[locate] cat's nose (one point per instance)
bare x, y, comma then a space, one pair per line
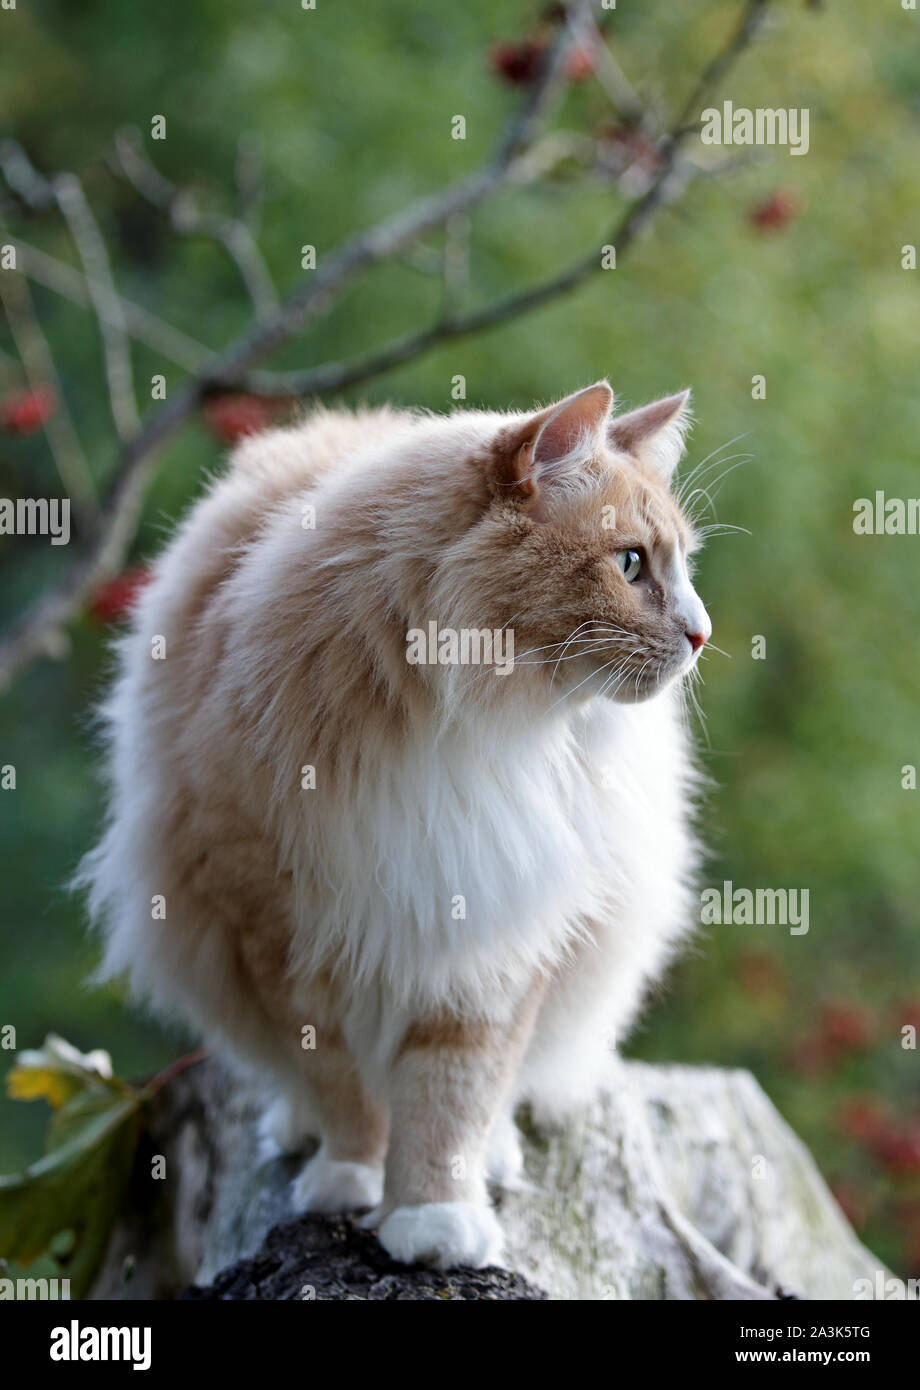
696, 640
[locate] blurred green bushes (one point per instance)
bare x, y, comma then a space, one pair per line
353, 106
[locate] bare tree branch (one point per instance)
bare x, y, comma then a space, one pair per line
40, 371
333, 376
37, 632
456, 263
139, 323
66, 191
396, 233
117, 316
23, 178
620, 92
248, 178
107, 306
673, 174
752, 18
30, 636
232, 233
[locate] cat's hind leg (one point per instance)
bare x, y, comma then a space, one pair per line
505, 1161
289, 1123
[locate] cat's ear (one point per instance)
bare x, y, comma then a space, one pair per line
654, 433
552, 445
573, 428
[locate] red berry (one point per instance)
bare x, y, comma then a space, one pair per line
777, 211
231, 418
897, 1148
517, 63
113, 599
26, 411
847, 1027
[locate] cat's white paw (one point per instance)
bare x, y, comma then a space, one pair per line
287, 1127
330, 1185
505, 1164
443, 1234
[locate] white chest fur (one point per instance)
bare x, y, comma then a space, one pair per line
480, 852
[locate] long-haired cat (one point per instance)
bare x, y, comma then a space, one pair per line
411, 886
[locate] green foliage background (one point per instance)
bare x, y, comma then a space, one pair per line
353, 103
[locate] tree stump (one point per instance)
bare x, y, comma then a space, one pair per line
678, 1183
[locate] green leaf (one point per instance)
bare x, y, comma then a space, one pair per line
64, 1205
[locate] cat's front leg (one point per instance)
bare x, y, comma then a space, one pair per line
346, 1172
449, 1081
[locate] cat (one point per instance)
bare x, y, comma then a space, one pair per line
412, 893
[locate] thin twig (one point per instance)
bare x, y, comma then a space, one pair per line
394, 234
40, 371
233, 233
619, 90
174, 1069
23, 178
107, 306
752, 17
139, 323
249, 180
36, 633
117, 315
456, 263
334, 376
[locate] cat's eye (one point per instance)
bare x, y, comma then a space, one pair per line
630, 562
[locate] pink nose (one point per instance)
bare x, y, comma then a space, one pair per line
696, 640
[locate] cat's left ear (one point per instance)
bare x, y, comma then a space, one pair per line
550, 449
654, 433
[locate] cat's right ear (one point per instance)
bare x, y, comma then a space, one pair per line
550, 448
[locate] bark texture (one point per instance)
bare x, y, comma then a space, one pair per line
679, 1182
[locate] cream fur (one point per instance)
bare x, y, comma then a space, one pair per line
560, 815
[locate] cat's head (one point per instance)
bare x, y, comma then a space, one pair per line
589, 547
